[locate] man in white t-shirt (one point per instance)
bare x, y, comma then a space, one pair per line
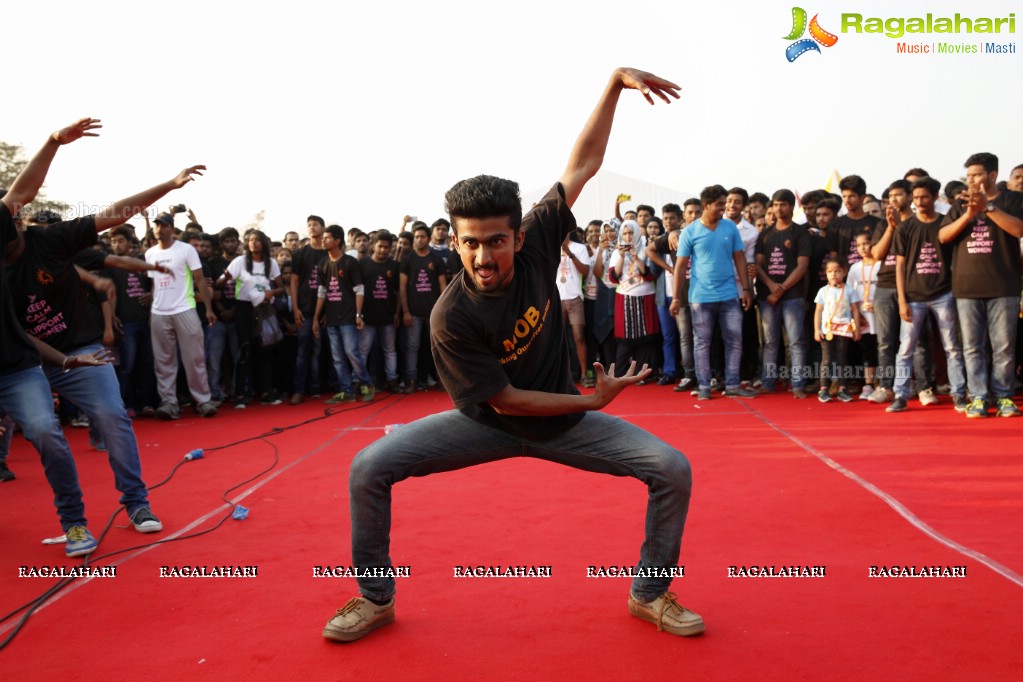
173, 321
573, 268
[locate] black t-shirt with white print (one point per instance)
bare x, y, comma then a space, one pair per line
423, 274
48, 296
986, 258
928, 261
846, 229
481, 343
381, 291
782, 250
338, 279
17, 352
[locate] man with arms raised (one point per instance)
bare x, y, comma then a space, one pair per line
514, 395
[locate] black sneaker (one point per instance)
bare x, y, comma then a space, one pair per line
5, 473
145, 521
960, 403
270, 398
897, 405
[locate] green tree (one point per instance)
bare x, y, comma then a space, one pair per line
12, 161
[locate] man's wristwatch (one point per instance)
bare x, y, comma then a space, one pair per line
990, 207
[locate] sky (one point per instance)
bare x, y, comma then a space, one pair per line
363, 113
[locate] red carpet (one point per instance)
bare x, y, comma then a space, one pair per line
777, 482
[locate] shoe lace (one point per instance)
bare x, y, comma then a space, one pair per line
668, 601
353, 604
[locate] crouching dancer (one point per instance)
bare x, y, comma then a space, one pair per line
514, 394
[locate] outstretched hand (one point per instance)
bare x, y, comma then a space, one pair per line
101, 357
80, 128
648, 83
185, 176
609, 386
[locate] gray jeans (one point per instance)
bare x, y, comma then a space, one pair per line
450, 440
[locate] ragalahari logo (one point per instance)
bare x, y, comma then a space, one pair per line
818, 35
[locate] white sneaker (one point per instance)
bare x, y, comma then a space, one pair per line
867, 391
880, 395
927, 397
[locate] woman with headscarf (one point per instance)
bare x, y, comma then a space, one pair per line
636, 323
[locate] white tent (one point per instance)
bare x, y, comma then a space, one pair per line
597, 201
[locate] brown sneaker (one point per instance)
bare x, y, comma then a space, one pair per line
358, 618
297, 398
668, 615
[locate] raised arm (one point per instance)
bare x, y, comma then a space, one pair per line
26, 185
118, 212
588, 152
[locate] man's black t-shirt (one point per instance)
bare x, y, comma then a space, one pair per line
781, 250
17, 352
928, 274
304, 265
339, 279
481, 344
846, 229
131, 287
821, 246
381, 298
48, 296
886, 271
423, 281
986, 258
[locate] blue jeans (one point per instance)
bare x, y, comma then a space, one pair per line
684, 323
789, 313
344, 344
413, 334
669, 330
219, 337
386, 332
26, 397
307, 359
991, 319
96, 392
136, 348
887, 324
449, 440
705, 316
944, 309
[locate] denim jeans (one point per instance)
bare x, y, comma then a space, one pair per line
96, 392
888, 325
344, 349
684, 323
789, 313
413, 334
26, 397
7, 436
449, 440
136, 348
705, 316
669, 331
307, 359
993, 319
944, 309
386, 332
220, 336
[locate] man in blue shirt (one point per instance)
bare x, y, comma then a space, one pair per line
714, 246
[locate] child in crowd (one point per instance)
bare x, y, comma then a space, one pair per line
863, 278
836, 320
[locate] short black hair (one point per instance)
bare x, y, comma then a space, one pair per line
227, 233
758, 198
126, 231
903, 184
712, 193
383, 236
986, 159
954, 187
337, 232
671, 208
929, 184
693, 201
814, 196
484, 196
645, 207
916, 171
742, 193
853, 183
317, 219
785, 195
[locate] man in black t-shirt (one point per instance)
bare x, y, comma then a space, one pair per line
24, 390
986, 271
500, 348
423, 278
304, 286
380, 278
923, 279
